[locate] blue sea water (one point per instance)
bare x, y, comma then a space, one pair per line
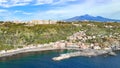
44, 60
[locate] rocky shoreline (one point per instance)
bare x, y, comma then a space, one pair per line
92, 49
87, 53
82, 49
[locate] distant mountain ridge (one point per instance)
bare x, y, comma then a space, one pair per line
91, 18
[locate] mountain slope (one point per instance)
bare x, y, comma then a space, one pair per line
91, 18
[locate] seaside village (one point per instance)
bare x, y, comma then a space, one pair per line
76, 41
62, 44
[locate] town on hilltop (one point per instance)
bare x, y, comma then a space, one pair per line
33, 22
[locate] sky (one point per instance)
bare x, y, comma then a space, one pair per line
57, 9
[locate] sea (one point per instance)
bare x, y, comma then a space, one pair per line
44, 60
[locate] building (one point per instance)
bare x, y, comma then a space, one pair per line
42, 22
34, 22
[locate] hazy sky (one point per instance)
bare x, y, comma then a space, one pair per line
57, 9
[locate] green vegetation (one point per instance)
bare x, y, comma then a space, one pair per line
105, 33
18, 35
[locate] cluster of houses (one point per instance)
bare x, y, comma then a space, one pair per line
80, 37
34, 22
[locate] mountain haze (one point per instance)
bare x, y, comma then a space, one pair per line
91, 18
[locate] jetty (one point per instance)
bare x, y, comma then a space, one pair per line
87, 52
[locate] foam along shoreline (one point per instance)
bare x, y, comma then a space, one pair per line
87, 52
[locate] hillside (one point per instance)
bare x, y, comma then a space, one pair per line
14, 36
91, 18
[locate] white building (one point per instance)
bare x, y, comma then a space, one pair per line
42, 22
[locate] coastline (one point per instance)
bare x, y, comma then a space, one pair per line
41, 47
85, 53
78, 52
25, 50
81, 48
